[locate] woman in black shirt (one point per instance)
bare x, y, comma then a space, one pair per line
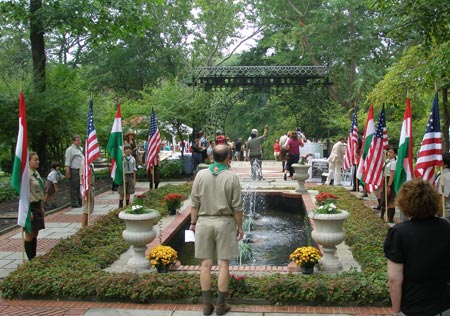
418, 254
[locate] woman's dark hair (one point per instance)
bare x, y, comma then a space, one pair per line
418, 199
55, 164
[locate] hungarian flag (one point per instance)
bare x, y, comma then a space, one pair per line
367, 140
430, 153
373, 165
21, 174
404, 168
91, 148
115, 148
352, 144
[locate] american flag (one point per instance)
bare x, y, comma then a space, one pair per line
153, 143
352, 143
430, 153
91, 148
373, 165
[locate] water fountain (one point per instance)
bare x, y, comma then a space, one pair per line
277, 229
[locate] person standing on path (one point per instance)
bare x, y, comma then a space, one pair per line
335, 162
276, 150
444, 188
36, 206
130, 169
51, 185
417, 253
388, 193
283, 152
254, 146
88, 201
293, 150
216, 219
74, 157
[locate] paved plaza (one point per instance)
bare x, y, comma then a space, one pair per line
65, 222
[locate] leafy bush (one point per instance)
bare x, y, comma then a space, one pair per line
169, 169
7, 192
69, 268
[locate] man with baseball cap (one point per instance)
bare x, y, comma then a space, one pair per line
254, 147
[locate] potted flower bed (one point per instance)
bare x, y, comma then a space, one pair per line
328, 222
173, 202
306, 257
162, 257
138, 233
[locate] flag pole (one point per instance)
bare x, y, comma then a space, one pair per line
153, 176
385, 187
23, 246
441, 177
88, 205
124, 181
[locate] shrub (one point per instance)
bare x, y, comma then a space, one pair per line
7, 192
69, 269
169, 169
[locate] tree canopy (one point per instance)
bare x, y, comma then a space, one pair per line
141, 53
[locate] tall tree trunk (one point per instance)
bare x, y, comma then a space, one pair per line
39, 60
37, 45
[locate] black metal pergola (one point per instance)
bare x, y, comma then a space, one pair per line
260, 78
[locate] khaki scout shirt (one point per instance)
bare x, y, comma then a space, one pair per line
74, 156
218, 195
36, 187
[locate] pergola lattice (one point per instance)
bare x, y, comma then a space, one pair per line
258, 77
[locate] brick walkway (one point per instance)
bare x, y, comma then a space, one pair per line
67, 221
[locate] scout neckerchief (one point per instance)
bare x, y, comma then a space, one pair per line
41, 182
217, 168
128, 163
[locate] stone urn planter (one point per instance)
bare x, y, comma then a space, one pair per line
328, 233
301, 175
138, 233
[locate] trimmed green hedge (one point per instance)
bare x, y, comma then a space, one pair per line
73, 269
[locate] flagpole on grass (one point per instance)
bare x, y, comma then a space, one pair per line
88, 206
124, 181
153, 175
385, 187
23, 246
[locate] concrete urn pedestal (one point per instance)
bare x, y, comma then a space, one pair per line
138, 233
301, 175
328, 233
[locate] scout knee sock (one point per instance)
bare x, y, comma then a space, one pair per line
382, 212
221, 298
207, 297
34, 246
120, 203
28, 245
128, 202
391, 214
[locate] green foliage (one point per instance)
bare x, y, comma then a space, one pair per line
69, 268
154, 199
245, 251
170, 169
7, 192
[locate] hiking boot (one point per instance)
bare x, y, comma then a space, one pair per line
222, 309
208, 309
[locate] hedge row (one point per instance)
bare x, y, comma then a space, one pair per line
73, 269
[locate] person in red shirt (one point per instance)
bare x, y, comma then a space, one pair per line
276, 150
220, 139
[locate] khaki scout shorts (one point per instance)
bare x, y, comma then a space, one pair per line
216, 237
